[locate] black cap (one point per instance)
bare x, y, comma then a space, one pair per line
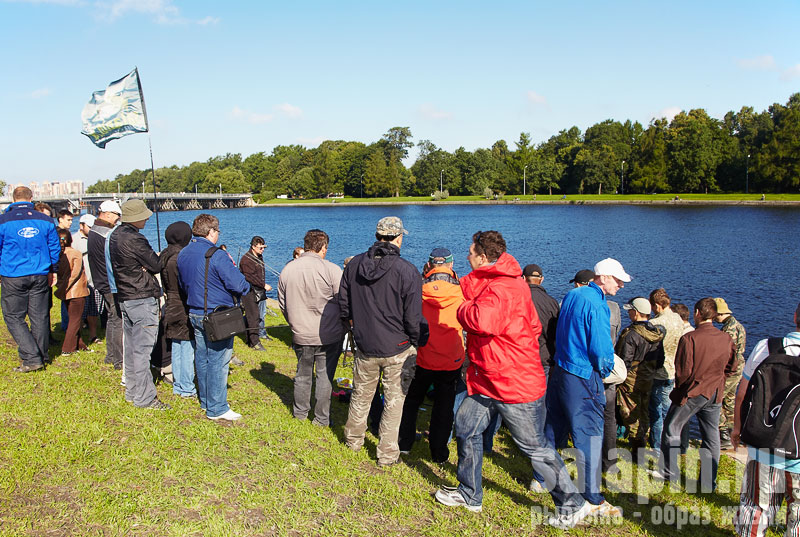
532, 270
440, 256
583, 277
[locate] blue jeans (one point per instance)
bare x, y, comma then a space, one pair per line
576, 406
494, 423
211, 359
28, 296
659, 406
526, 426
183, 368
262, 312
707, 413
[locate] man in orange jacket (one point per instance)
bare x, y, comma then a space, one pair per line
439, 361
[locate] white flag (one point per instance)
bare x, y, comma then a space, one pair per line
116, 111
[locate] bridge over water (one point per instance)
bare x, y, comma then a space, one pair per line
165, 201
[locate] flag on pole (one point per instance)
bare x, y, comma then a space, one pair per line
116, 111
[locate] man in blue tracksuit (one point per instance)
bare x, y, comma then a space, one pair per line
29, 252
584, 357
224, 284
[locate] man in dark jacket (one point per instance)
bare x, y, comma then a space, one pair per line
381, 297
547, 309
705, 357
640, 346
29, 252
222, 287
107, 219
178, 332
252, 267
134, 265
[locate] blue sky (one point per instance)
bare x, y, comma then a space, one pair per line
243, 77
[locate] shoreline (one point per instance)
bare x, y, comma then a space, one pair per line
670, 203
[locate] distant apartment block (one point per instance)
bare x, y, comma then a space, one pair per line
55, 188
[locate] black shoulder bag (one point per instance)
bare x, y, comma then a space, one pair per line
224, 322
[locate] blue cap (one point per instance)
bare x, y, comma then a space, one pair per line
440, 256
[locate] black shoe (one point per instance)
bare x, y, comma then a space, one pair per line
258, 347
156, 404
725, 439
28, 368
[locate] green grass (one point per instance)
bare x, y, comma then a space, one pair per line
76, 459
571, 198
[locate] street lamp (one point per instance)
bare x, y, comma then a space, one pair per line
622, 176
361, 186
142, 189
220, 190
440, 181
524, 184
747, 176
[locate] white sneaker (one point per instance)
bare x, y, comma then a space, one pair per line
537, 487
605, 509
230, 415
450, 497
565, 522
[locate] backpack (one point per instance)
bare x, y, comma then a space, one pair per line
770, 411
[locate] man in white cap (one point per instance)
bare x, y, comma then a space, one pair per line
94, 302
107, 218
584, 357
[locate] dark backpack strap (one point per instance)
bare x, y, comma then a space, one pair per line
209, 253
775, 346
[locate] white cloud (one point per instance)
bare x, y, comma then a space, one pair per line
428, 111
251, 117
163, 11
311, 142
791, 73
757, 63
669, 113
40, 93
535, 98
289, 110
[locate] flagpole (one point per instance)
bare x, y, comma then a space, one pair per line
152, 166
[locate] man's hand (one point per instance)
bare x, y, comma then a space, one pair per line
268, 287
51, 279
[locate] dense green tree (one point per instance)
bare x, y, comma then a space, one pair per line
375, 180
779, 159
229, 179
692, 156
647, 169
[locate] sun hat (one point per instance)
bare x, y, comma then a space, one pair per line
135, 211
611, 267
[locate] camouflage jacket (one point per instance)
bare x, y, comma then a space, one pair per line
734, 328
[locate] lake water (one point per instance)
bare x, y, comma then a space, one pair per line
746, 255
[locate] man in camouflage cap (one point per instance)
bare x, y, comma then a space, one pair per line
733, 328
380, 296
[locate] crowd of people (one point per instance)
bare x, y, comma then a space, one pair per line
490, 348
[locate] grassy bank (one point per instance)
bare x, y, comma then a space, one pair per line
559, 198
76, 459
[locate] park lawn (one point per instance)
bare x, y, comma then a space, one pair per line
550, 198
76, 459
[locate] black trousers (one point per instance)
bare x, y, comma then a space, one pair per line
444, 396
252, 315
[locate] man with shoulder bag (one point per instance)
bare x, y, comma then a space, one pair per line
211, 282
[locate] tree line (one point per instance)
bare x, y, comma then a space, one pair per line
745, 150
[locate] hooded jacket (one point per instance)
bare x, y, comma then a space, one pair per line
503, 331
441, 297
176, 314
382, 294
641, 341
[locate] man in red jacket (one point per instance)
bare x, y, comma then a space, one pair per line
505, 377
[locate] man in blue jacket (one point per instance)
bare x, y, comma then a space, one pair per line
29, 252
584, 357
381, 296
225, 283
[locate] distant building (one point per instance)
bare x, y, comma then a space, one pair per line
54, 188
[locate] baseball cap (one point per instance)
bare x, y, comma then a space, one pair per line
722, 306
135, 211
532, 270
87, 219
440, 256
640, 304
110, 206
611, 267
390, 226
583, 277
